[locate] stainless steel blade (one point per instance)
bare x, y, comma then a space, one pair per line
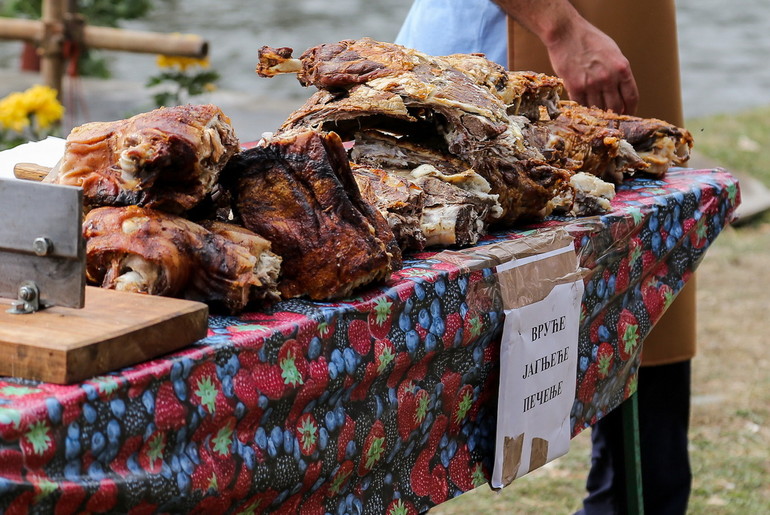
41, 240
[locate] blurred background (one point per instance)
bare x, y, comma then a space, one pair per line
724, 46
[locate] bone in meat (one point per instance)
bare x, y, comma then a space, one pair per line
457, 206
660, 144
399, 200
568, 143
439, 108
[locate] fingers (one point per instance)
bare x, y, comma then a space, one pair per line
620, 96
630, 94
613, 100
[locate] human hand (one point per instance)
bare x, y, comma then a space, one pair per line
594, 70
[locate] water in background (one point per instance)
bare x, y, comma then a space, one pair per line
724, 48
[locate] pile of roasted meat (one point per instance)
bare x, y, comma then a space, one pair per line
395, 151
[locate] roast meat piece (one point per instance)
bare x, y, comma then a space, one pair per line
297, 190
167, 159
587, 195
525, 93
380, 149
422, 105
456, 208
660, 144
399, 200
142, 250
569, 142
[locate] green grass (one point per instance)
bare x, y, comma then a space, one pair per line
737, 141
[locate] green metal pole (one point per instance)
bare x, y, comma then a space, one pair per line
633, 459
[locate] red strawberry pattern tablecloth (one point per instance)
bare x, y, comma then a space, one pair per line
383, 403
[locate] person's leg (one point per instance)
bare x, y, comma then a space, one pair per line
606, 481
664, 409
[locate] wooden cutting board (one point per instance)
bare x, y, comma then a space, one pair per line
113, 330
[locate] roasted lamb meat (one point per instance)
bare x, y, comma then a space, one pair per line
142, 250
456, 206
660, 144
400, 201
531, 94
167, 159
297, 190
425, 207
570, 143
415, 105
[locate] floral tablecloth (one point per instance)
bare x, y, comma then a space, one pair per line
383, 403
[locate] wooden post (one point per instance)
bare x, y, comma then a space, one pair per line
60, 22
52, 44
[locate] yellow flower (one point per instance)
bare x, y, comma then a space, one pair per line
181, 63
13, 112
42, 103
38, 101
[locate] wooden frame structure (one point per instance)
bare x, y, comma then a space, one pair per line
60, 23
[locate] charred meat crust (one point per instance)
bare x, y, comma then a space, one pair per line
297, 190
146, 251
166, 159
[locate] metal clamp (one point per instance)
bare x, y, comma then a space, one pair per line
29, 299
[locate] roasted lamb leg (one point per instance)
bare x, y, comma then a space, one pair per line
167, 159
297, 190
142, 250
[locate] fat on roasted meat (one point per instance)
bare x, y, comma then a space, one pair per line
524, 93
421, 105
658, 143
167, 159
297, 190
456, 207
570, 143
400, 201
141, 250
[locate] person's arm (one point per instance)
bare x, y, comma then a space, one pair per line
594, 70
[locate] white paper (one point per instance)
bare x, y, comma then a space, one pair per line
46, 153
538, 369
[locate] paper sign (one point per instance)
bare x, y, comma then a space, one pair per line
538, 362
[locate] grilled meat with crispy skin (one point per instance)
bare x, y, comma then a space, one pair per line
298, 191
569, 143
660, 144
399, 200
147, 251
166, 159
422, 105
